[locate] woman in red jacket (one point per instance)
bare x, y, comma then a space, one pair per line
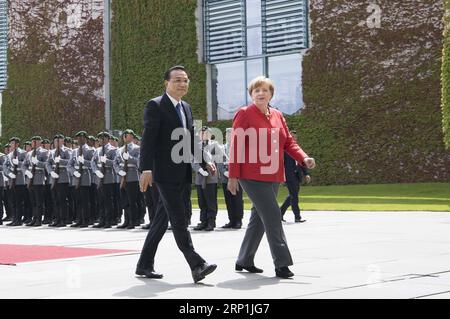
260, 137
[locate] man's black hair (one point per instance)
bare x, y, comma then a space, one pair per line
169, 71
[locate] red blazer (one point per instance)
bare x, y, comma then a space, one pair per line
259, 153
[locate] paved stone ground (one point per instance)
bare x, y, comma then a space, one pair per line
336, 255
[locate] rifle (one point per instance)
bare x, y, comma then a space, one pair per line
100, 183
33, 169
57, 153
80, 169
12, 184
123, 179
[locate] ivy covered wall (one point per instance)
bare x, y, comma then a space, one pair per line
148, 37
446, 76
55, 68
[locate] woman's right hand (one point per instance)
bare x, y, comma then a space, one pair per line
233, 185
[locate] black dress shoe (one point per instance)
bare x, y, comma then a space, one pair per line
61, 225
284, 272
200, 226
53, 224
200, 272
252, 269
148, 273
229, 225
45, 222
209, 227
77, 224
299, 220
84, 225
37, 223
237, 225
30, 223
123, 226
146, 226
107, 226
130, 226
6, 219
99, 225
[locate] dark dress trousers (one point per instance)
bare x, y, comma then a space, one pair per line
171, 179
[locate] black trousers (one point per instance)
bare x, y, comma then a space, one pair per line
72, 203
19, 196
207, 201
173, 208
37, 201
7, 202
116, 204
132, 192
151, 196
28, 208
48, 203
93, 199
106, 199
234, 203
61, 197
2, 197
83, 204
292, 198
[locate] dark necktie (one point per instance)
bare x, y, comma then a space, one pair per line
180, 115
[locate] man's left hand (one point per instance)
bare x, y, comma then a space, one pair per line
211, 168
310, 162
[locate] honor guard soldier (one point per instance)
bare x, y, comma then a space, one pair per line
79, 167
126, 166
57, 168
7, 199
68, 142
117, 216
35, 164
93, 191
206, 183
234, 203
13, 168
3, 185
102, 166
48, 201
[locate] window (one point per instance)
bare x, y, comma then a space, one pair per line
245, 39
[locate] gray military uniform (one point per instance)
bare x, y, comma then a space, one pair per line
96, 164
66, 155
133, 162
3, 178
74, 165
39, 176
8, 166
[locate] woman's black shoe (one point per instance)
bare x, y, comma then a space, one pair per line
284, 272
251, 269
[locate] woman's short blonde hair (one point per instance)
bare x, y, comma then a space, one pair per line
260, 81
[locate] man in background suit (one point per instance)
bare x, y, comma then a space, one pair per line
162, 116
294, 174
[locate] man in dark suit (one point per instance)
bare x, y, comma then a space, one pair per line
294, 175
172, 176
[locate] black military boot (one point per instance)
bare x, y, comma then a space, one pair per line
201, 226
211, 225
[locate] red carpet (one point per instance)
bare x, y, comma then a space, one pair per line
13, 254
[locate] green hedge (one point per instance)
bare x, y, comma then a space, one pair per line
148, 37
446, 77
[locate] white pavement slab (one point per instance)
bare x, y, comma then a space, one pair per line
336, 255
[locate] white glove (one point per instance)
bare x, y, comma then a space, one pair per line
77, 167
80, 159
103, 159
126, 156
12, 176
203, 172
77, 174
5, 178
15, 161
54, 175
29, 174
57, 159
225, 174
122, 173
34, 160
99, 174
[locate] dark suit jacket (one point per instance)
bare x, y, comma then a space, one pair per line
160, 119
292, 171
